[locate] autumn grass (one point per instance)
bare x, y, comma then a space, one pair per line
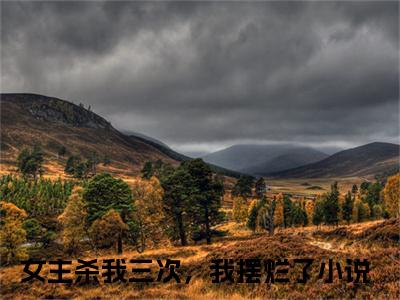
304, 185
319, 243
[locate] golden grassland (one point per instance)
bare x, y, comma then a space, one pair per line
376, 241
307, 186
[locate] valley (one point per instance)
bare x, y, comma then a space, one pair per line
74, 187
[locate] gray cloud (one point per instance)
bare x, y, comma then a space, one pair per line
208, 75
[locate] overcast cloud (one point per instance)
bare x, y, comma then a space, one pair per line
200, 76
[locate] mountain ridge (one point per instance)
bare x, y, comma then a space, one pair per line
253, 159
368, 159
28, 119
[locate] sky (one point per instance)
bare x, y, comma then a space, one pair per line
201, 76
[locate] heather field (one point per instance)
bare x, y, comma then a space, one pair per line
377, 241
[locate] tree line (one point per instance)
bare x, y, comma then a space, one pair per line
104, 211
370, 201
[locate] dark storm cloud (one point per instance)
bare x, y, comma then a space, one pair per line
203, 75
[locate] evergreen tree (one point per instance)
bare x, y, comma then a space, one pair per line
260, 187
266, 215
287, 211
362, 211
147, 170
347, 208
104, 192
206, 194
70, 165
304, 214
364, 186
243, 186
297, 215
29, 162
252, 219
62, 151
177, 203
33, 229
373, 196
354, 189
37, 197
318, 215
331, 205
82, 169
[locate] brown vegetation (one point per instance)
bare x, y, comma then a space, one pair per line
240, 243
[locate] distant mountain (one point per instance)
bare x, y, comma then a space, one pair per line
369, 159
291, 159
262, 159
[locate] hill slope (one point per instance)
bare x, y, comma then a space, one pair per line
27, 119
261, 159
290, 159
369, 159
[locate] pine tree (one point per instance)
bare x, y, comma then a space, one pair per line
147, 170
36, 197
373, 196
331, 206
297, 216
318, 215
304, 213
243, 186
266, 215
104, 192
62, 151
206, 194
287, 211
252, 219
177, 203
260, 187
70, 165
362, 211
33, 229
29, 162
347, 208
